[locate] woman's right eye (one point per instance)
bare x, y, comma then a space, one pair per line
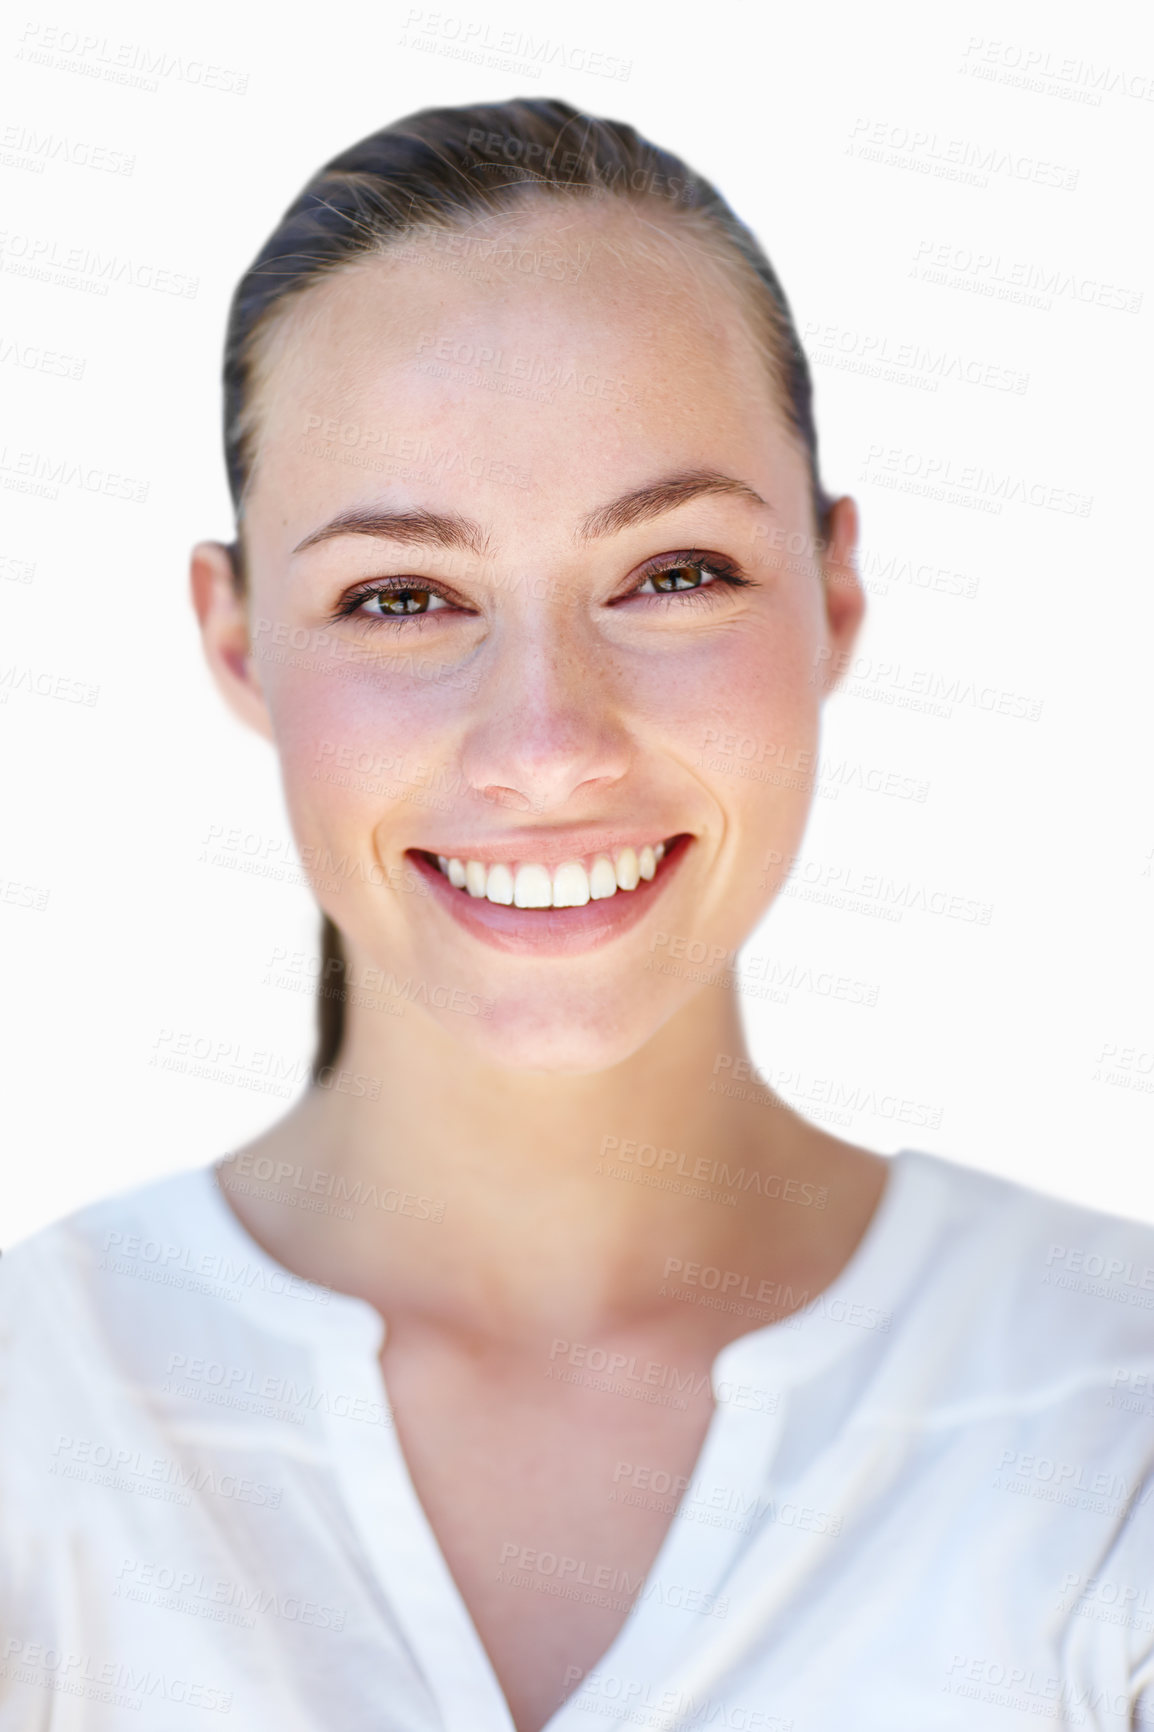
392, 601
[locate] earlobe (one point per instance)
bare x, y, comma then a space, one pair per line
844, 596
223, 617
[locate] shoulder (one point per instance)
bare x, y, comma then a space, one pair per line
110, 1221
113, 1289
135, 1243
1067, 1236
1045, 1284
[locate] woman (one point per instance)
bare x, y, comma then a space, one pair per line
695, 1414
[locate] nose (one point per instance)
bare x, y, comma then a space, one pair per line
546, 723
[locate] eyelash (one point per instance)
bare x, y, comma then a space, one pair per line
724, 572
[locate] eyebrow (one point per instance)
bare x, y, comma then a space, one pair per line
448, 530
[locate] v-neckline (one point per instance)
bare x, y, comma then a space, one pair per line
425, 1598
398, 1538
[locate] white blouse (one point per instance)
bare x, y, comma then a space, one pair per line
925, 1501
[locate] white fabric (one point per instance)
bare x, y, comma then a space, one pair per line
925, 1502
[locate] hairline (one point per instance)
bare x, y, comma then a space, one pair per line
763, 321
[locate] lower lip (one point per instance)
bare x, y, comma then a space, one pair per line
552, 931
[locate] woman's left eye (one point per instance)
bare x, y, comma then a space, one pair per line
675, 578
689, 573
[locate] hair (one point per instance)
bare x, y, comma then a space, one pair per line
446, 169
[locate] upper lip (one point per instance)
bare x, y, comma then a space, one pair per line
549, 849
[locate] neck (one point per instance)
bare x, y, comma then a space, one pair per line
535, 1199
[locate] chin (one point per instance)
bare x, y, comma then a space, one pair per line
525, 1034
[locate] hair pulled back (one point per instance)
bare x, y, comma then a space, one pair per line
445, 169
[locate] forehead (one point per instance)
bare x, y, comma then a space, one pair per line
578, 349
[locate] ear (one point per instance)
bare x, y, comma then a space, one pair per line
844, 596
224, 632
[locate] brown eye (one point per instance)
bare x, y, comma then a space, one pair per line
391, 601
708, 575
398, 601
677, 577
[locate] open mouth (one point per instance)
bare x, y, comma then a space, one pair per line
512, 905
571, 884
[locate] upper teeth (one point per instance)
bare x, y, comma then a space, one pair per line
569, 885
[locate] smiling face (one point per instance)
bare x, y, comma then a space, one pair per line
518, 598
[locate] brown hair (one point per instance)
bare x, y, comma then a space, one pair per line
441, 169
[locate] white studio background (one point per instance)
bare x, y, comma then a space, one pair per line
956, 200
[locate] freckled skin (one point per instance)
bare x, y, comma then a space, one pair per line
581, 711
541, 698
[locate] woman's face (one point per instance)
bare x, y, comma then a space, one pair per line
528, 643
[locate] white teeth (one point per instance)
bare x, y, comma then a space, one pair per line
625, 868
602, 879
532, 887
499, 884
570, 885
528, 884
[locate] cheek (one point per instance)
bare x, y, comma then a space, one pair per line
749, 719
746, 695
356, 748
